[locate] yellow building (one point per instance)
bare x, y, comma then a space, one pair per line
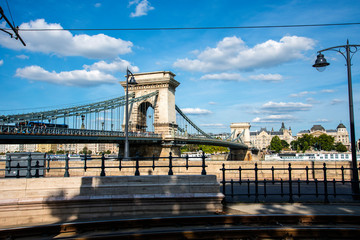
44, 148
261, 139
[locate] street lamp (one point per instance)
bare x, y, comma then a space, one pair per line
320, 64
131, 82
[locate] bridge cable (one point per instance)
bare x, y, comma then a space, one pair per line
191, 123
75, 111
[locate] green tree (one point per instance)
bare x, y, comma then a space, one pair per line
84, 151
305, 147
284, 144
206, 148
294, 145
325, 142
340, 147
275, 144
304, 143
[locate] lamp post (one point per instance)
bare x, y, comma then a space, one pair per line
131, 82
320, 64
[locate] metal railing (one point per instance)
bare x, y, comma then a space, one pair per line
39, 167
8, 129
315, 184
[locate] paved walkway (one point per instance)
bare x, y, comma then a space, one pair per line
295, 208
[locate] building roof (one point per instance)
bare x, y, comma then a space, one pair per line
317, 128
304, 131
341, 126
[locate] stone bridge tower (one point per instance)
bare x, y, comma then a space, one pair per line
163, 104
242, 129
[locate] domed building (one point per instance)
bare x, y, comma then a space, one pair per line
339, 135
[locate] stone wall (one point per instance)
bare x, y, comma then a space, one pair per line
56, 200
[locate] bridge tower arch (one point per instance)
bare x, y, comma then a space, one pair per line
163, 103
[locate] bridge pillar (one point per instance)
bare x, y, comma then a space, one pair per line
163, 104
239, 155
149, 150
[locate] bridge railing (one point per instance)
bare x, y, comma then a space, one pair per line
9, 129
87, 165
296, 184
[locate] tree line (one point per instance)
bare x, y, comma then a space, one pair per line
206, 148
307, 142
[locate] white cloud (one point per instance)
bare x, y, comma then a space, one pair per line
142, 8
91, 75
267, 77
321, 121
312, 101
223, 76
280, 107
301, 94
213, 125
327, 91
118, 65
232, 53
274, 118
97, 5
64, 43
195, 111
22, 56
212, 103
71, 78
1, 62
336, 101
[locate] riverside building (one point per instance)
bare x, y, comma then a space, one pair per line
339, 135
261, 139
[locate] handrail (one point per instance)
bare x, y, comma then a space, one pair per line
35, 166
8, 129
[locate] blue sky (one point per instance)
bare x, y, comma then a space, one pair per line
261, 76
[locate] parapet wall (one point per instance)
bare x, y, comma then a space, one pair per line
40, 201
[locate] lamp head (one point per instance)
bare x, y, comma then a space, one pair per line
320, 63
132, 79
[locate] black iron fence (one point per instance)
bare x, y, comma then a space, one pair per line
315, 185
29, 165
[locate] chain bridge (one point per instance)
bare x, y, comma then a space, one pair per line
156, 124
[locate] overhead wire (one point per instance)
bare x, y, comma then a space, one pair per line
187, 28
7, 3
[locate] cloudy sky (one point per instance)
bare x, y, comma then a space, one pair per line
258, 75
